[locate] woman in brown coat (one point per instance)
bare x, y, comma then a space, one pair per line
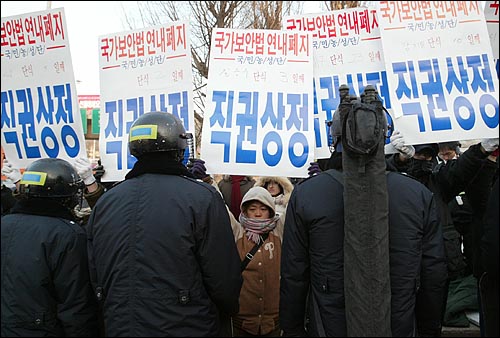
259, 296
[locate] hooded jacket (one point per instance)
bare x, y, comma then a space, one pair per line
259, 296
263, 196
280, 201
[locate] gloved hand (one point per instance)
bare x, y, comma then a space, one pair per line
99, 172
12, 174
313, 169
197, 168
84, 169
490, 144
398, 142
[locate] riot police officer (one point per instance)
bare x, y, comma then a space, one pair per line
46, 288
162, 252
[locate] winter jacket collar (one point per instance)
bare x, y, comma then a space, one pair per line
157, 163
43, 207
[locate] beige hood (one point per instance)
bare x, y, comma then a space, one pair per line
262, 195
284, 182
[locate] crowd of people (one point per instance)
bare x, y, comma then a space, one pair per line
169, 251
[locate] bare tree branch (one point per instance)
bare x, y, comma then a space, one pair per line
336, 5
205, 16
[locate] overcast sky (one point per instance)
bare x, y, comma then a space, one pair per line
86, 21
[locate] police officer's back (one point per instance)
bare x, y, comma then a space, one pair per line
46, 288
162, 250
313, 266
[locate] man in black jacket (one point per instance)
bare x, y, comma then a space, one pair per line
162, 253
46, 288
472, 172
13, 175
489, 259
8, 199
312, 266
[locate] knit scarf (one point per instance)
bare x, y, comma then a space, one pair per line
255, 227
236, 195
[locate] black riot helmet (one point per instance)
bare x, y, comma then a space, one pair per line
50, 178
156, 132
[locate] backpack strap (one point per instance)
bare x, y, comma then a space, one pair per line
249, 255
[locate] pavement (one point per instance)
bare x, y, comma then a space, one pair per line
471, 331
